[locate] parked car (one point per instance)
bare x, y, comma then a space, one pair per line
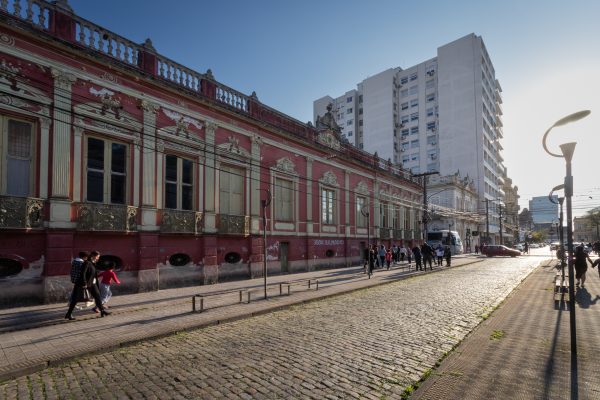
498, 250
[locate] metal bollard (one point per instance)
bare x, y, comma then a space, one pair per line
201, 304
241, 296
317, 287
248, 297
193, 303
280, 289
289, 289
309, 283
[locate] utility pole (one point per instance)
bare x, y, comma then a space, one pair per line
501, 224
425, 204
487, 222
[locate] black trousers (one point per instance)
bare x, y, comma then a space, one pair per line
93, 291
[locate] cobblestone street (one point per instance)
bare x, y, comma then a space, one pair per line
369, 344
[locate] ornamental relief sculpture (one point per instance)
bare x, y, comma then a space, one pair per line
286, 165
232, 147
362, 188
329, 179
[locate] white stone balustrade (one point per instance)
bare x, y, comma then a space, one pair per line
96, 38
179, 74
37, 13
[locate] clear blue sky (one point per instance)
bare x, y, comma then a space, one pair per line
546, 55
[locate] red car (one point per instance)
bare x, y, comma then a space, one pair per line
497, 250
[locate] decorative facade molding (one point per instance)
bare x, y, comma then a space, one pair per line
125, 124
182, 121
106, 217
63, 80
232, 147
107, 76
286, 165
7, 40
362, 188
329, 179
20, 212
256, 140
148, 106
177, 221
328, 139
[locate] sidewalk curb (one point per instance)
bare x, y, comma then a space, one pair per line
29, 367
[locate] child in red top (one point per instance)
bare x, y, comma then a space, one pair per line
106, 277
388, 258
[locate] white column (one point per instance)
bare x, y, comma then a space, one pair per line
135, 201
44, 152
209, 180
347, 200
148, 161
61, 143
309, 189
60, 204
77, 162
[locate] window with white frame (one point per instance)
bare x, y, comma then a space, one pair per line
284, 200
383, 215
17, 145
179, 183
361, 220
396, 218
327, 206
404, 106
106, 171
231, 190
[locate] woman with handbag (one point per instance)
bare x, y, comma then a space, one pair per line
86, 287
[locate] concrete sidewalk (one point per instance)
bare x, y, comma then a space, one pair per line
33, 338
523, 350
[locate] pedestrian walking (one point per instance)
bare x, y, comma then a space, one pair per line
86, 283
439, 253
372, 259
106, 277
447, 255
526, 248
427, 253
476, 249
395, 253
382, 256
581, 259
403, 253
416, 251
367, 252
408, 256
388, 258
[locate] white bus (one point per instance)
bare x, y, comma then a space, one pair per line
442, 237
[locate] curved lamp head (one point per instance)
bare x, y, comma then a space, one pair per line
563, 121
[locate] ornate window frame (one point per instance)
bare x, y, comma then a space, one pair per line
329, 182
285, 169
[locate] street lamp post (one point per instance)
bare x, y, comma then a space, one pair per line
425, 206
365, 212
567, 150
561, 242
265, 203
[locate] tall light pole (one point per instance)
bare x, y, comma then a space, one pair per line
425, 206
567, 150
365, 212
561, 242
265, 203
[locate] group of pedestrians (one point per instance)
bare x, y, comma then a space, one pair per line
89, 284
380, 257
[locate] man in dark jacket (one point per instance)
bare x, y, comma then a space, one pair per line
87, 280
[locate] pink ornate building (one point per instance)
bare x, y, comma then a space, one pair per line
105, 144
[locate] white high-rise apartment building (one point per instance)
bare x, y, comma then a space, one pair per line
442, 115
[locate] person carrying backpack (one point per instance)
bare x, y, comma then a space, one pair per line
86, 282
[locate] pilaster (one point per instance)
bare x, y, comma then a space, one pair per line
309, 190
44, 152
209, 179
61, 140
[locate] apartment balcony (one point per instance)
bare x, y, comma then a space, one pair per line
397, 233
180, 221
233, 224
106, 217
21, 212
